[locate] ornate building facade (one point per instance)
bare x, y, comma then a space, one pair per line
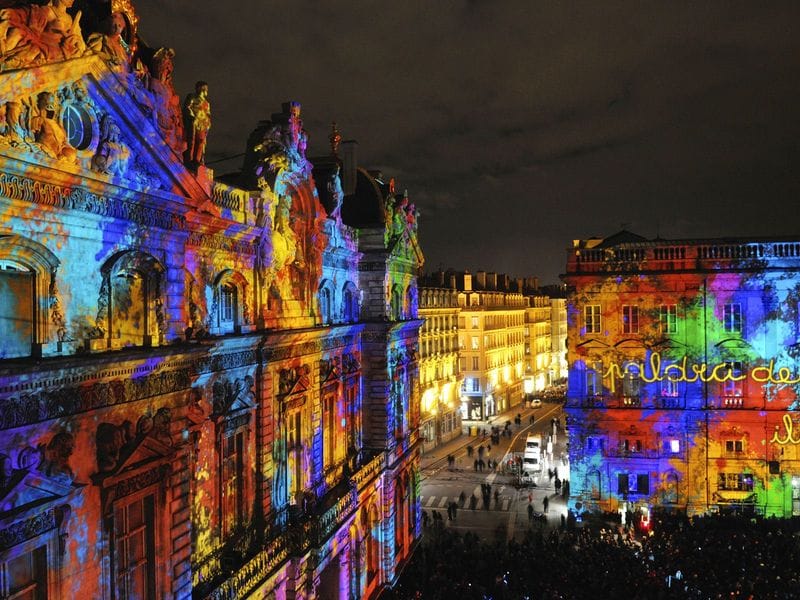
683, 374
208, 388
439, 367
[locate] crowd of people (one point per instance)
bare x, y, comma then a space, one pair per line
701, 557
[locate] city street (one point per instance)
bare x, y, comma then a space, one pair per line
508, 515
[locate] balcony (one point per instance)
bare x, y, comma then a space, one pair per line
251, 574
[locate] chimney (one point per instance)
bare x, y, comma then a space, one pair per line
468, 281
520, 287
480, 279
350, 166
453, 281
491, 281
440, 277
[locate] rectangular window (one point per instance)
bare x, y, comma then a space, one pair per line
134, 550
669, 388
742, 482
734, 446
631, 385
630, 319
732, 388
591, 318
475, 361
669, 318
476, 384
329, 432
474, 322
227, 303
26, 576
732, 318
475, 342
595, 444
233, 481
592, 383
672, 446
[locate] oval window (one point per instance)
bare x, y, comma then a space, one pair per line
78, 125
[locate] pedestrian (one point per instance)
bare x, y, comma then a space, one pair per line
473, 502
449, 511
469, 451
563, 521
480, 451
531, 420
425, 518
545, 504
455, 510
476, 465
481, 465
530, 513
558, 485
530, 497
496, 499
462, 497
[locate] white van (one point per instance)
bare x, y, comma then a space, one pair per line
531, 463
533, 443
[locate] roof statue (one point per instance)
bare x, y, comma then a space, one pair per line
197, 114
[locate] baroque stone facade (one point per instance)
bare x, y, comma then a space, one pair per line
207, 389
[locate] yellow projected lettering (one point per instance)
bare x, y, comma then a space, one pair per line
789, 438
686, 372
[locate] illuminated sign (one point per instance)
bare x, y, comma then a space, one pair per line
684, 371
789, 438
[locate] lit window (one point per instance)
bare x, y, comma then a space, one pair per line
733, 388
474, 322
732, 318
591, 317
475, 366
674, 446
669, 388
630, 319
475, 342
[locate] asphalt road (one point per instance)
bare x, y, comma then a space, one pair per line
508, 516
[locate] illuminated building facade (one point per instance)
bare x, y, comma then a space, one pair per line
208, 388
558, 338
439, 368
491, 339
538, 345
683, 374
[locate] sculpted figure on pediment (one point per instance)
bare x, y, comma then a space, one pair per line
56, 456
34, 34
167, 103
112, 155
48, 132
111, 45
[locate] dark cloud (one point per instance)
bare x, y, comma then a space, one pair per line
518, 126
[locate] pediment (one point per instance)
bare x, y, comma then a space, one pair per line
405, 245
148, 450
28, 489
97, 128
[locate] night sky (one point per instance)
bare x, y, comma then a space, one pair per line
518, 126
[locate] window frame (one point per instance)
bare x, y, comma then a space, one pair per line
592, 319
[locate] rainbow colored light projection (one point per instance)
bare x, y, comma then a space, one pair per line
683, 382
207, 388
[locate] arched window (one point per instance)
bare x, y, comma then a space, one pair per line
130, 306
230, 308
325, 303
396, 305
29, 311
350, 308
373, 544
